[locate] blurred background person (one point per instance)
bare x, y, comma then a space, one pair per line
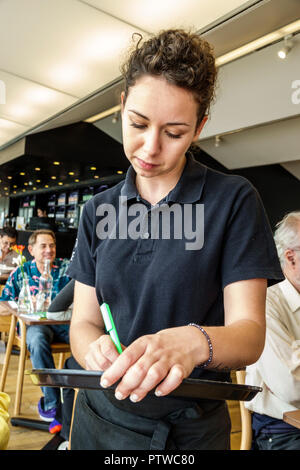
8, 238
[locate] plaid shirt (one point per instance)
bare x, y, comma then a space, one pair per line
15, 281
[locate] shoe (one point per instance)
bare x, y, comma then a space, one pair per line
47, 415
63, 446
54, 427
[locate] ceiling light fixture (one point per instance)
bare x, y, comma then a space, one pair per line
287, 30
37, 169
115, 118
218, 141
287, 46
56, 163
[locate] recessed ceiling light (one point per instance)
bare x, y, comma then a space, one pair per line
66, 74
9, 177
5, 189
93, 168
96, 176
15, 186
22, 173
60, 183
19, 111
38, 181
120, 172
46, 186
53, 177
25, 184
56, 163
37, 169
40, 95
76, 181
71, 173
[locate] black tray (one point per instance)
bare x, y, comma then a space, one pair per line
191, 388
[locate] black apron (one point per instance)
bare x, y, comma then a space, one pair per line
101, 422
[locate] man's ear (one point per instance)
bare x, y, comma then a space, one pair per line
30, 247
199, 128
289, 256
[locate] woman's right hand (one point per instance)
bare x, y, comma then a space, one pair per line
101, 354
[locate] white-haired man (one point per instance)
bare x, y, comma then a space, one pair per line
278, 369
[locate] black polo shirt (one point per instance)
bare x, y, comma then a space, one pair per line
153, 279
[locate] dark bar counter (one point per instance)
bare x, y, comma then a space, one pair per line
65, 241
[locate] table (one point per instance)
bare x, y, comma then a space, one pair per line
7, 309
292, 417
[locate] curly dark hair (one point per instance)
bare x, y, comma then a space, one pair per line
182, 58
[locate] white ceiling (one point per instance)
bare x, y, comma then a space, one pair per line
59, 64
57, 52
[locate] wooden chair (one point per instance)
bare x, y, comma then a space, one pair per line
76, 390
246, 439
20, 342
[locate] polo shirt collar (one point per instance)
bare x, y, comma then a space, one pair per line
188, 189
291, 295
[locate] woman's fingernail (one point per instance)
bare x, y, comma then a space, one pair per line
158, 393
119, 396
134, 397
104, 383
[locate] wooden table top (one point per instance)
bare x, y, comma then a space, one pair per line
6, 309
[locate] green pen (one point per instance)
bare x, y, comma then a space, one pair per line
110, 326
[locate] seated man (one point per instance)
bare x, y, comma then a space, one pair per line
41, 245
278, 369
8, 238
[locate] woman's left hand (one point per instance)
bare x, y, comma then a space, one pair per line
164, 358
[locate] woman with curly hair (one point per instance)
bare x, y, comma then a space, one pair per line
181, 308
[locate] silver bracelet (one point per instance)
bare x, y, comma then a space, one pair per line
206, 363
